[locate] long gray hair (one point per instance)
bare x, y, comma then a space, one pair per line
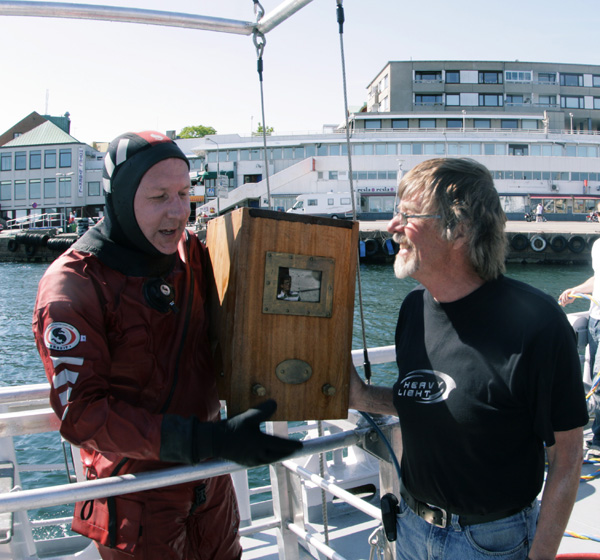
462, 192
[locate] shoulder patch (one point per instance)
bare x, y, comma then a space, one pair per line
61, 336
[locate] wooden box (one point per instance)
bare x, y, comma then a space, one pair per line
291, 344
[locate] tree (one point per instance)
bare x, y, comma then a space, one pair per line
269, 130
196, 131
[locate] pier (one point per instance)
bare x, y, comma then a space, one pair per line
551, 242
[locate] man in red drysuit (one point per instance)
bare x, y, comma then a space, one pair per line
121, 326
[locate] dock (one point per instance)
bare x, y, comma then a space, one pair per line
551, 242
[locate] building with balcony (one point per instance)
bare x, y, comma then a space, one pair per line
478, 94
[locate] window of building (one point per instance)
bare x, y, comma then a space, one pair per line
244, 155
20, 190
5, 190
546, 77
49, 188
490, 100
93, 188
333, 175
399, 123
334, 149
256, 155
509, 123
426, 123
417, 149
384, 104
5, 162
513, 99
64, 158
452, 77
35, 159
35, 189
299, 152
288, 153
20, 160
373, 123
428, 99
49, 159
488, 77
277, 153
571, 102
571, 79
453, 99
547, 100
482, 123
322, 149
428, 76
454, 123
64, 187
518, 76
310, 150
518, 150
596, 102
596, 80
380, 150
529, 124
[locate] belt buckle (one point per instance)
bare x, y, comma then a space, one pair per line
437, 517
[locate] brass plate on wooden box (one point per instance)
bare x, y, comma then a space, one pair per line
309, 289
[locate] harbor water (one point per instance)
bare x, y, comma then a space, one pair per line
382, 295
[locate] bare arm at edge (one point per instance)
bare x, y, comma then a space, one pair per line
564, 469
370, 398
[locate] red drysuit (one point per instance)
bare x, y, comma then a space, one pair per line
116, 365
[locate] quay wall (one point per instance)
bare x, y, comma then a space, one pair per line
528, 242
552, 242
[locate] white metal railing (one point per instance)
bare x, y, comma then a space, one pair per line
45, 221
25, 411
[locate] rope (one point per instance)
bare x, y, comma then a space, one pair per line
340, 20
323, 494
259, 42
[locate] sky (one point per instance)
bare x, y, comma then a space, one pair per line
117, 77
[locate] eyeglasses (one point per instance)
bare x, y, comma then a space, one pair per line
403, 217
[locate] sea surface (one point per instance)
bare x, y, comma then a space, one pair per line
382, 295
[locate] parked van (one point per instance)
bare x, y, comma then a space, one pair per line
329, 205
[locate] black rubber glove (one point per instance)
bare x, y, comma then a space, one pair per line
239, 439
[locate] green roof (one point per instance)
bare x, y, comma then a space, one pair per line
44, 134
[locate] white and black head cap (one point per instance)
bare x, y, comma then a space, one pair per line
129, 157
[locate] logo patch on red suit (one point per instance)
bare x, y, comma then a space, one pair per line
61, 336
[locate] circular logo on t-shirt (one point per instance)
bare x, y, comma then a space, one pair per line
426, 386
61, 336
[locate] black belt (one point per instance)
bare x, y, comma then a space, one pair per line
440, 517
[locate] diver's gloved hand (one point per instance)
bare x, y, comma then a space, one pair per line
239, 439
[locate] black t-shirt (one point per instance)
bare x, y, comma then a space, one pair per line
483, 383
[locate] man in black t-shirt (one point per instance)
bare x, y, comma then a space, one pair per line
488, 375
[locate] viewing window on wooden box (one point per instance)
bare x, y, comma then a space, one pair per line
298, 285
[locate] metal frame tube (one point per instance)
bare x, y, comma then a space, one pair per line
125, 484
27, 8
336, 490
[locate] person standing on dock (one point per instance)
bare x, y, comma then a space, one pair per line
591, 288
122, 328
489, 379
539, 212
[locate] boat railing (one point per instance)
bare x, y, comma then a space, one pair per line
37, 221
294, 484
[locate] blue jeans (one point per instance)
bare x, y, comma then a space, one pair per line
593, 340
506, 539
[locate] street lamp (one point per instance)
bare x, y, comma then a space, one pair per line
571, 115
217, 182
